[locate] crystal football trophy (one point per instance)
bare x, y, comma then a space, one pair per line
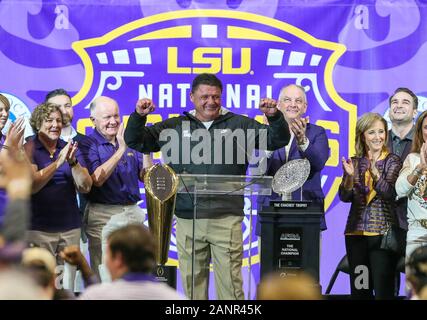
290, 177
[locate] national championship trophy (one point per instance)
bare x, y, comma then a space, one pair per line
290, 228
161, 186
290, 177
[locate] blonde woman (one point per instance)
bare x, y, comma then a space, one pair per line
369, 185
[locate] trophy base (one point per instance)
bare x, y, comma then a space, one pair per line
166, 274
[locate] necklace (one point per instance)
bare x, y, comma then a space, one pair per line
52, 153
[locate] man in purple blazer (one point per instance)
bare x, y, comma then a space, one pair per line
308, 141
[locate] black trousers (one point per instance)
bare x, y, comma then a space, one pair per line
363, 254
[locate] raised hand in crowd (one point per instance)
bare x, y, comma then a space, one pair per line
73, 256
15, 134
268, 106
145, 106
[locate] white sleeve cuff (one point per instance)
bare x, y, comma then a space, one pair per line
305, 145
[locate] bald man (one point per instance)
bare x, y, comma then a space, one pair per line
308, 141
115, 170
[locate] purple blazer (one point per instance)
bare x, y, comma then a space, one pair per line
376, 215
317, 153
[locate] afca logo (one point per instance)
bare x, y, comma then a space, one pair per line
254, 56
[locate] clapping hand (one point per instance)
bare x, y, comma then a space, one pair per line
71, 156
15, 134
423, 156
373, 166
121, 137
348, 166
64, 154
298, 127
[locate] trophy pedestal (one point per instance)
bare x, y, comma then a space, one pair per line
290, 234
166, 274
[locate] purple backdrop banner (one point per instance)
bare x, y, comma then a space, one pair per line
349, 56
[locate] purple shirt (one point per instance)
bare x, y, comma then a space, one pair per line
122, 187
54, 207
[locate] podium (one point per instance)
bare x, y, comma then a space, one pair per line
290, 232
225, 185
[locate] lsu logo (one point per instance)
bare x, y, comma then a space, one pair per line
221, 60
254, 56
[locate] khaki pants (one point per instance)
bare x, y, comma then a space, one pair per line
55, 242
102, 219
219, 239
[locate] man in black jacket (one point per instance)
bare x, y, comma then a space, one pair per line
193, 143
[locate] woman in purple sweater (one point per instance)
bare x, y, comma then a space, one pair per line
368, 184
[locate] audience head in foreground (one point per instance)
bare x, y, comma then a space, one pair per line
130, 259
416, 273
299, 287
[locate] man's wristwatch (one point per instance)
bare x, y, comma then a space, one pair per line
304, 141
73, 163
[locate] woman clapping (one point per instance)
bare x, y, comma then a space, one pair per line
369, 185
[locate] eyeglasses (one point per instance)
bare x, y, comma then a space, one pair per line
297, 101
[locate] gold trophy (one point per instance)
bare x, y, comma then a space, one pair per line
161, 185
